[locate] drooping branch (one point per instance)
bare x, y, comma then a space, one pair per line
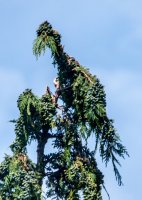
72, 169
85, 73
85, 96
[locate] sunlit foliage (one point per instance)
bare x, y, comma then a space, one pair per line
71, 172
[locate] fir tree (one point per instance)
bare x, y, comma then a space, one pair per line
68, 118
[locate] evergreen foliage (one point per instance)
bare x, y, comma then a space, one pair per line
71, 172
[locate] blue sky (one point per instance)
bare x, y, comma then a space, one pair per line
105, 36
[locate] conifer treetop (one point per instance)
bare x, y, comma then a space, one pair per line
67, 119
84, 95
